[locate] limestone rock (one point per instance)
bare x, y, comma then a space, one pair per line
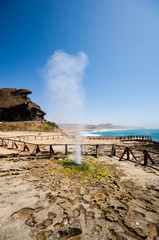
16, 106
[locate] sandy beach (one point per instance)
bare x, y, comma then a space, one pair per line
39, 201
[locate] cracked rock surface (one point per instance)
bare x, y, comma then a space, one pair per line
36, 202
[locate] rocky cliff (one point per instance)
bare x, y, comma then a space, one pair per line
16, 106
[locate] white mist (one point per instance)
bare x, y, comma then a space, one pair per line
78, 142
64, 74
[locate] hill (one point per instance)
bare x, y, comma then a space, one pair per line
28, 126
16, 106
90, 127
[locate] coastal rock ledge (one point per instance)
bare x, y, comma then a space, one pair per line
16, 106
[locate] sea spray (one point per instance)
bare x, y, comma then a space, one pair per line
78, 148
78, 142
64, 74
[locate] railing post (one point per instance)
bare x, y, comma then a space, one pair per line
113, 152
66, 149
97, 151
128, 154
37, 149
51, 150
15, 144
145, 158
25, 148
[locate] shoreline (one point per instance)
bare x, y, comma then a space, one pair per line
110, 129
154, 133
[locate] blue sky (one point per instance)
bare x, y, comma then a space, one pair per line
120, 38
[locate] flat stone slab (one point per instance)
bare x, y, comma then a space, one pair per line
38, 203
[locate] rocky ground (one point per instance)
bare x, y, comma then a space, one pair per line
39, 202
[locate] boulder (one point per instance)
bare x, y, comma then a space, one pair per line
16, 106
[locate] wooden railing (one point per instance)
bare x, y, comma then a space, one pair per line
17, 144
72, 136
122, 138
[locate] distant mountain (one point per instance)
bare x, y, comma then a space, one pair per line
90, 127
103, 126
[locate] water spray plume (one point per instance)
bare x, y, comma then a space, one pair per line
64, 74
78, 141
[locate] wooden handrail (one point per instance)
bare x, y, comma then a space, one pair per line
127, 149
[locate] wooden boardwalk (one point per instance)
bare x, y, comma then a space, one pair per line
72, 136
123, 138
23, 144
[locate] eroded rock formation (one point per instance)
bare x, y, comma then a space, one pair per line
16, 106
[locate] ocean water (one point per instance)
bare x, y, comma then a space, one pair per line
154, 133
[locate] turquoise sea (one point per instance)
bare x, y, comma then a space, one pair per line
154, 133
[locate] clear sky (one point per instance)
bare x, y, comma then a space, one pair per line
119, 37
